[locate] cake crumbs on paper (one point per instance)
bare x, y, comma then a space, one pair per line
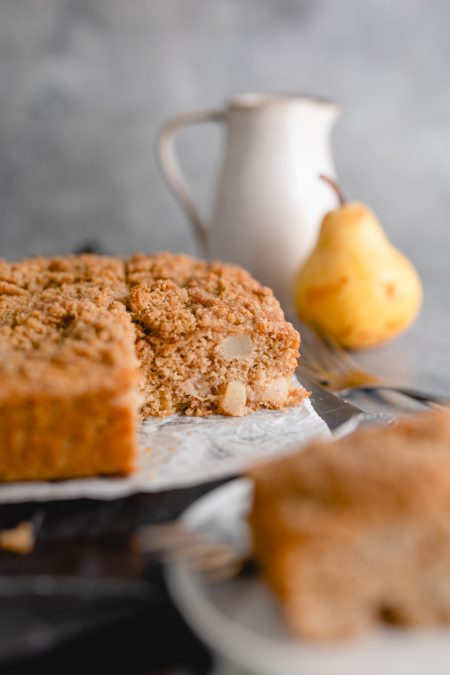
19, 539
148, 449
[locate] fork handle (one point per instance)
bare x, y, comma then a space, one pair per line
421, 396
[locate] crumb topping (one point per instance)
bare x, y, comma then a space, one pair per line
69, 319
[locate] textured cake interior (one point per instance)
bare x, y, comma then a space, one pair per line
356, 532
210, 339
84, 338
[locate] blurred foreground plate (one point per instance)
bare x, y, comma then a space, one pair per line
241, 622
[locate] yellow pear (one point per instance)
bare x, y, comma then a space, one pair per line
356, 286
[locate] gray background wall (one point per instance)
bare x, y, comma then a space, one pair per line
86, 84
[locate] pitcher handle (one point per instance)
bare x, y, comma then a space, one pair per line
171, 170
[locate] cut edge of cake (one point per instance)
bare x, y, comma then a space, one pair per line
210, 338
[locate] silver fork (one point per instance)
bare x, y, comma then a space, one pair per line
327, 364
215, 561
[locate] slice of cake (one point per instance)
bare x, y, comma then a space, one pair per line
357, 531
210, 339
67, 370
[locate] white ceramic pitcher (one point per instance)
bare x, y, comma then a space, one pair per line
270, 199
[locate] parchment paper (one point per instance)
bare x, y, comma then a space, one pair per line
182, 451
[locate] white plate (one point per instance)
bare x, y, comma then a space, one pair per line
241, 622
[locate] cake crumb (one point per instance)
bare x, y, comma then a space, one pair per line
19, 539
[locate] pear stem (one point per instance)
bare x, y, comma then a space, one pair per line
336, 187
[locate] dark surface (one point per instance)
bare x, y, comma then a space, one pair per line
67, 635
86, 593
